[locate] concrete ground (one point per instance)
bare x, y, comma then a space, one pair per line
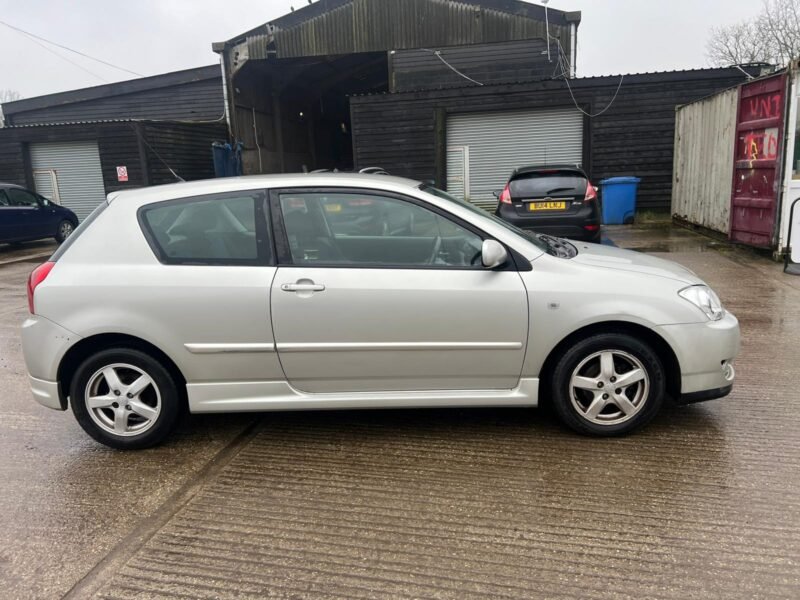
477, 503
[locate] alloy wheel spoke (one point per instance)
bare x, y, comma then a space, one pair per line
143, 410
112, 379
121, 420
607, 365
623, 403
584, 383
138, 386
629, 378
597, 405
100, 401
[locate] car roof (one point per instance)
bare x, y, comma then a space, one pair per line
535, 168
4, 185
249, 182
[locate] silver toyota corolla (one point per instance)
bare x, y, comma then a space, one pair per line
338, 291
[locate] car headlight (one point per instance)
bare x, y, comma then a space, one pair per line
704, 298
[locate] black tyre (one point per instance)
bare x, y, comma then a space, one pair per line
608, 384
125, 399
65, 229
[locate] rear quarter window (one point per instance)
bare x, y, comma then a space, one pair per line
222, 229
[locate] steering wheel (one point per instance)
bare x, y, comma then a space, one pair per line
475, 259
437, 247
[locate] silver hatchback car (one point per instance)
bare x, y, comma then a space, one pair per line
333, 291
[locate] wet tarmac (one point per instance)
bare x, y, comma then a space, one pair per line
478, 503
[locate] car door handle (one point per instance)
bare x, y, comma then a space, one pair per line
303, 287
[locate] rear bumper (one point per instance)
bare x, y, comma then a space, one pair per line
47, 393
44, 345
571, 226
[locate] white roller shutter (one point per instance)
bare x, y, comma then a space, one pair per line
494, 144
78, 174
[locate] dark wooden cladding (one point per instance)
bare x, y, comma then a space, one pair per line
501, 62
634, 137
195, 95
186, 148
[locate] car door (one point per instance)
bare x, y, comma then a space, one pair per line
380, 292
33, 218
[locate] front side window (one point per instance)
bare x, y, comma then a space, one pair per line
4, 201
20, 197
366, 229
220, 229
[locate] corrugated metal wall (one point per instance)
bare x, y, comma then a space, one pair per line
500, 142
703, 168
78, 172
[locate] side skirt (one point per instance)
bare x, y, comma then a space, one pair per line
256, 396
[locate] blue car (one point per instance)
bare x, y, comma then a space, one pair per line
27, 216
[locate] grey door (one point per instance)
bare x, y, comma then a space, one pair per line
78, 173
487, 146
381, 294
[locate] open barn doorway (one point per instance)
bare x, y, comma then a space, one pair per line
293, 114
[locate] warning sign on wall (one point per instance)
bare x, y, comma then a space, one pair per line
122, 173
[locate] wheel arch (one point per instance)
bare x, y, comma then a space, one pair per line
659, 345
86, 347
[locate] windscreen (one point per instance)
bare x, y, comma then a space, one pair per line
541, 185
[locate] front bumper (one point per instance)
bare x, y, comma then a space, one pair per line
705, 353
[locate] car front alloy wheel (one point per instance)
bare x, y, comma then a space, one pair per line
608, 384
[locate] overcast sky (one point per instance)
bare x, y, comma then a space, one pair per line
157, 36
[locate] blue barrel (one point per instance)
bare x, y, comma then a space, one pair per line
619, 200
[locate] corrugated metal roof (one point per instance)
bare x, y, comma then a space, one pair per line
110, 89
349, 26
578, 81
106, 121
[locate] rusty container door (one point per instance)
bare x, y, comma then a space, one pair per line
757, 161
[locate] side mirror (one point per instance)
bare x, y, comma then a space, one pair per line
493, 254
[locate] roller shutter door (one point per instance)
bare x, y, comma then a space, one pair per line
483, 148
78, 174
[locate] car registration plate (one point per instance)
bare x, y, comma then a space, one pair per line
550, 205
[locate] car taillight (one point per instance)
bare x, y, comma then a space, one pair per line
591, 193
38, 275
505, 195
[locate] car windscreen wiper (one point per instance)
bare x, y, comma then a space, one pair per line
559, 189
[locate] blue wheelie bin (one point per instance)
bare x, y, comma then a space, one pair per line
619, 200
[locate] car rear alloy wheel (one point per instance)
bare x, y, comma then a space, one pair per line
125, 398
65, 229
609, 387
608, 384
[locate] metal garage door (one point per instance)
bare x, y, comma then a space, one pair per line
69, 173
483, 148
